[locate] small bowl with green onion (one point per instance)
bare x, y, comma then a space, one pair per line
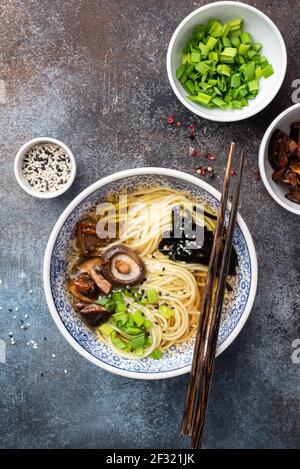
226, 61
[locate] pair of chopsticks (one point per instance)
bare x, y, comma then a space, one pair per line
209, 323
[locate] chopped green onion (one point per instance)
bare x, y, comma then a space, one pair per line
152, 296
253, 85
127, 292
235, 80
246, 38
180, 71
116, 296
195, 56
257, 46
102, 300
225, 30
138, 318
139, 352
215, 29
211, 42
243, 49
219, 102
138, 341
121, 318
235, 41
221, 67
106, 329
118, 343
165, 311
121, 307
147, 324
201, 98
224, 70
156, 354
133, 330
267, 71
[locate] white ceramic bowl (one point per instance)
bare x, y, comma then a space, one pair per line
282, 122
177, 360
24, 184
262, 30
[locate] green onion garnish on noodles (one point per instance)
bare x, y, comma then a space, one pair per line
156, 354
138, 318
166, 311
138, 341
152, 296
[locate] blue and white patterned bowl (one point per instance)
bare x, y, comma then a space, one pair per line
178, 359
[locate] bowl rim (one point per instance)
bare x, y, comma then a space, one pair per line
262, 160
236, 116
80, 197
21, 180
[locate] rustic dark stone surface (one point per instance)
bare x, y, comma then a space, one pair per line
92, 73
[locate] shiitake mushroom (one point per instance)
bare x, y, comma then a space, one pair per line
122, 266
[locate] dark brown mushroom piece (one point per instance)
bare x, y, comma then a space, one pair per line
122, 266
294, 196
83, 288
295, 167
280, 147
87, 236
93, 268
291, 179
94, 315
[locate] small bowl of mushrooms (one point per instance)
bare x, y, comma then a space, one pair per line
279, 159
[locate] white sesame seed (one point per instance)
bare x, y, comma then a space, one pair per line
26, 316
1, 281
30, 291
14, 317
35, 346
13, 341
66, 371
17, 308
53, 355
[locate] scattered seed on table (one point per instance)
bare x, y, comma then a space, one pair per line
53, 355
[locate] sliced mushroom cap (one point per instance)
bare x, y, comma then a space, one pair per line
94, 315
87, 236
93, 268
78, 293
122, 266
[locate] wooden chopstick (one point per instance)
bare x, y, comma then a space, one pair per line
209, 358
199, 349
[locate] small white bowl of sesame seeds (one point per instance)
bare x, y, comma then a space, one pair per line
45, 167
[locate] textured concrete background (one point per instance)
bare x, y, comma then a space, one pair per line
92, 73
